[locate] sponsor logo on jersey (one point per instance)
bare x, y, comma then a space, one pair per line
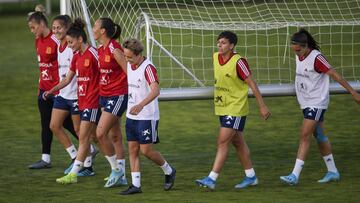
83, 79
48, 50
218, 99
107, 58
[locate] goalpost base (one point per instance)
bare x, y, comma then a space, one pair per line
174, 94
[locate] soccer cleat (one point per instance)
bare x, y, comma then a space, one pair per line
106, 178
86, 171
68, 179
114, 178
131, 190
68, 169
290, 179
206, 182
330, 176
40, 165
247, 182
170, 179
121, 182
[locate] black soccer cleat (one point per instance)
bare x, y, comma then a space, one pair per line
131, 190
169, 180
40, 165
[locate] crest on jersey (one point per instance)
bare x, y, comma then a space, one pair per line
48, 50
86, 62
107, 58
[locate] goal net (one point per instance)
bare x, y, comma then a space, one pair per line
180, 37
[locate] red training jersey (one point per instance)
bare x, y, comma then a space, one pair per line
113, 80
86, 67
46, 49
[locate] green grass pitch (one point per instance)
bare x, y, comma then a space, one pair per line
188, 131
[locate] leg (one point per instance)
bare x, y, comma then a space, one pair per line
56, 126
107, 120
323, 142
242, 150
87, 128
307, 129
135, 187
68, 125
45, 108
243, 154
225, 137
116, 138
326, 152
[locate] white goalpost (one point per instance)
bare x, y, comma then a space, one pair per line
180, 38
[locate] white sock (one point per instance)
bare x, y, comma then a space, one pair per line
250, 172
298, 167
213, 175
121, 162
136, 178
46, 158
166, 168
113, 163
77, 167
88, 161
72, 151
92, 148
330, 163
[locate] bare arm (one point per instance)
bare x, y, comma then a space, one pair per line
120, 59
155, 91
62, 83
338, 78
264, 111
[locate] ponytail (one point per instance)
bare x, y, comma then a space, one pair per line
77, 30
112, 30
304, 38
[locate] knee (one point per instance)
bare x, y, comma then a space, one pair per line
100, 134
55, 127
146, 151
319, 135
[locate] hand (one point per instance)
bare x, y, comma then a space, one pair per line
47, 95
265, 113
135, 110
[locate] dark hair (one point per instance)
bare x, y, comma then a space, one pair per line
134, 45
304, 38
230, 36
38, 17
65, 20
112, 30
77, 30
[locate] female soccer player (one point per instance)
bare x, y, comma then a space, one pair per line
143, 115
66, 103
46, 48
113, 88
85, 65
232, 82
312, 91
